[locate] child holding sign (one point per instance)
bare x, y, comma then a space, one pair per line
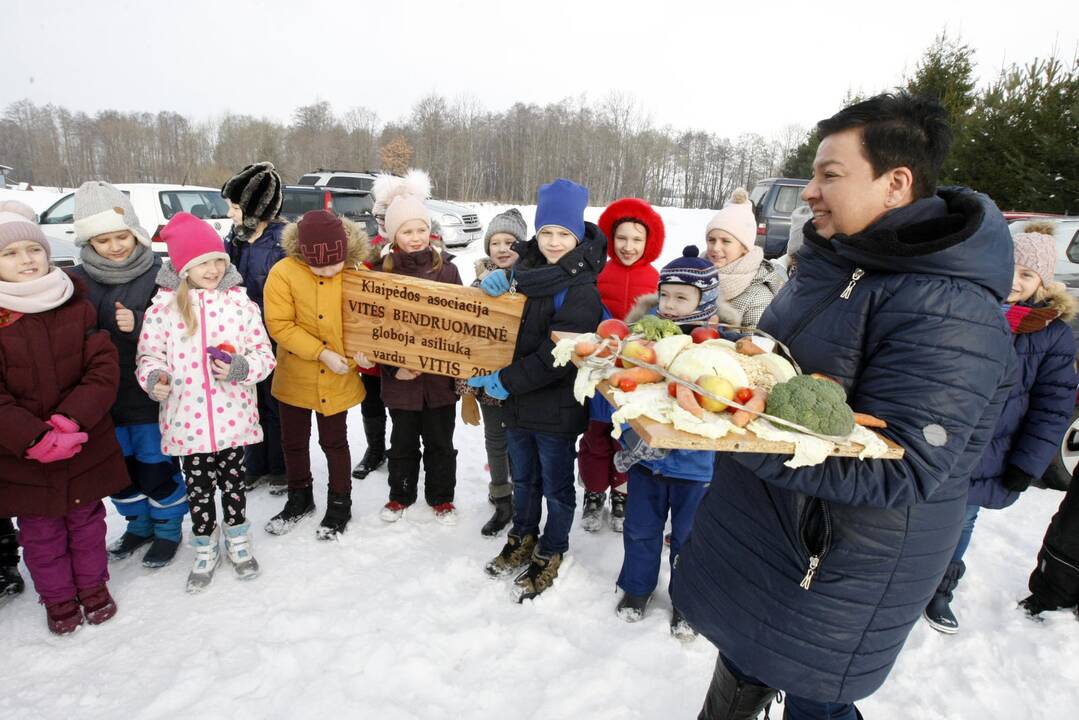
557, 272
202, 350
421, 405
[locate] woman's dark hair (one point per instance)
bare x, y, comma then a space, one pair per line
899, 130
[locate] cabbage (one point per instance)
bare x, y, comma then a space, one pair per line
703, 360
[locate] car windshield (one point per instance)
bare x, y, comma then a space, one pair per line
350, 183
204, 204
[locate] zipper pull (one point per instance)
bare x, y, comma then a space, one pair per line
854, 278
814, 561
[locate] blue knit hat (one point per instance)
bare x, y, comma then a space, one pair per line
562, 203
690, 269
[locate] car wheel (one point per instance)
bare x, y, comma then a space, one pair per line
1059, 473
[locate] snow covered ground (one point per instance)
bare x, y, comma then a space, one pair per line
399, 621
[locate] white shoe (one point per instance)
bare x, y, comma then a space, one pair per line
207, 558
392, 511
238, 546
445, 513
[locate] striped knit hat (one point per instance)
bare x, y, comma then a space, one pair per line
693, 270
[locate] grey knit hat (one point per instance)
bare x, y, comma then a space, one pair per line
102, 208
257, 190
510, 222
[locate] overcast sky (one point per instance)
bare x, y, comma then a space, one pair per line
716, 66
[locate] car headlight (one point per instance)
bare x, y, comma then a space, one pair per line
448, 219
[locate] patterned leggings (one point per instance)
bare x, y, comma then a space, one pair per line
201, 470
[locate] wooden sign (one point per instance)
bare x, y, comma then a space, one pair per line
429, 326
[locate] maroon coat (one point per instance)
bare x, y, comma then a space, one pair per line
58, 362
427, 390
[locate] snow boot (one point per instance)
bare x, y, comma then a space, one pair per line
63, 617
338, 513
127, 545
277, 482
618, 510
631, 607
680, 627
252, 481
392, 511
375, 430
1034, 609
167, 536
300, 504
732, 699
445, 513
514, 556
11, 582
98, 604
592, 512
238, 547
538, 576
207, 558
938, 613
501, 518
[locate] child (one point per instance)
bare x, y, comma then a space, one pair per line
58, 450
1054, 584
635, 235
119, 272
303, 313
505, 230
557, 272
202, 350
1039, 405
747, 281
421, 405
254, 245
662, 482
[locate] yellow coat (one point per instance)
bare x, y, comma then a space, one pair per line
303, 316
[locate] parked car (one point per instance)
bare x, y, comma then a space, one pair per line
154, 204
459, 224
356, 205
774, 199
64, 253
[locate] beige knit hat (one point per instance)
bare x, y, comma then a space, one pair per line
18, 222
737, 218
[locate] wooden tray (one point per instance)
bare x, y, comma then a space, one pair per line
662, 435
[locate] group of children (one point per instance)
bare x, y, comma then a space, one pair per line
119, 375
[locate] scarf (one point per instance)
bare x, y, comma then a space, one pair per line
110, 272
735, 277
1029, 319
38, 295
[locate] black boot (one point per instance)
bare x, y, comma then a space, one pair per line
618, 510
299, 505
631, 607
729, 698
592, 510
338, 513
501, 518
11, 582
938, 613
375, 430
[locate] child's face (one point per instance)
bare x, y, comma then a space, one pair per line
115, 246
678, 301
554, 242
413, 236
629, 241
724, 248
236, 215
502, 253
1025, 283
207, 275
22, 261
328, 271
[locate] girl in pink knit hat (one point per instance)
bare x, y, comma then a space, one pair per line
202, 350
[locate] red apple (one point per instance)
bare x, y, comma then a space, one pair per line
637, 350
704, 332
613, 328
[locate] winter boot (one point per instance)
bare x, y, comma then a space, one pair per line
238, 547
98, 604
514, 556
338, 513
445, 513
11, 582
300, 504
167, 536
375, 430
207, 558
938, 612
277, 482
1033, 608
631, 607
501, 518
592, 513
732, 699
680, 627
618, 510
252, 481
127, 545
63, 617
538, 576
392, 511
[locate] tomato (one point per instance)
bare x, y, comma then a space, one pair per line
743, 395
227, 347
672, 389
703, 333
627, 385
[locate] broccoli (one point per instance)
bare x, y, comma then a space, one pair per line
655, 328
820, 405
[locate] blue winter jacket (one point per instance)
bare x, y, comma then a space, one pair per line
1038, 410
254, 260
906, 315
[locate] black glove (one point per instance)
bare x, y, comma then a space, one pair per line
635, 450
1015, 479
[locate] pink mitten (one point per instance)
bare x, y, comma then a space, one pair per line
57, 446
62, 423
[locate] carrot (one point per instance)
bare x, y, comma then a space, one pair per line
747, 347
686, 401
741, 418
639, 375
584, 348
867, 420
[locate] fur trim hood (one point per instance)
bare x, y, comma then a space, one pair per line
647, 304
168, 278
1058, 298
359, 247
641, 211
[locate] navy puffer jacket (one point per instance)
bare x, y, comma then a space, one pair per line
907, 317
254, 260
1038, 410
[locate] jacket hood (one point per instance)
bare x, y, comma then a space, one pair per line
641, 211
969, 241
649, 305
1058, 298
359, 248
170, 279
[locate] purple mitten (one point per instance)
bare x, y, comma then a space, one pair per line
218, 354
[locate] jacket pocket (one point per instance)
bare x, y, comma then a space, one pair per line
815, 533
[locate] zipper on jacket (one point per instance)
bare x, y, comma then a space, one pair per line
821, 544
206, 375
854, 278
811, 315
